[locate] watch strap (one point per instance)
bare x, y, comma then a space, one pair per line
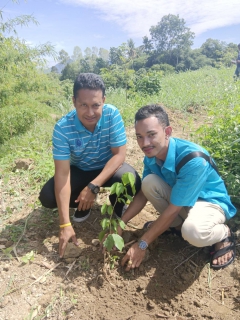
93, 188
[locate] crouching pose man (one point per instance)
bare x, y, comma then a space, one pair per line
187, 191
89, 148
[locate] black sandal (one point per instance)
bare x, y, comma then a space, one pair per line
218, 253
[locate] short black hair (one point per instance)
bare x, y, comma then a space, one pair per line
153, 110
90, 81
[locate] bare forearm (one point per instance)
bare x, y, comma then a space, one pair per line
162, 223
110, 168
135, 207
62, 193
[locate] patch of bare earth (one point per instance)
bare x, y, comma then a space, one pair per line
174, 283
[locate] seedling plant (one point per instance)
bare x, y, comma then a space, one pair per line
110, 224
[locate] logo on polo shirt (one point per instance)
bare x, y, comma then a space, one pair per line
78, 143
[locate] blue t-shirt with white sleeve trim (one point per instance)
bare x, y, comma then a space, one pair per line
88, 150
196, 180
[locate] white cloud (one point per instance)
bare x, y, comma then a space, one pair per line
136, 16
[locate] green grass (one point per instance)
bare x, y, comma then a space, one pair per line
201, 88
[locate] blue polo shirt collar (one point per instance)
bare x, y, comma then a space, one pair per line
170, 163
80, 127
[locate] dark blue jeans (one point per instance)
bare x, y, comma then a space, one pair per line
79, 179
237, 71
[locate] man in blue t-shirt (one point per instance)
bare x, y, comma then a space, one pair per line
192, 199
89, 148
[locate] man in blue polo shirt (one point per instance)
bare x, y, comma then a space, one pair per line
192, 200
89, 148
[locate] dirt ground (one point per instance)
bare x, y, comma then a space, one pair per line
175, 282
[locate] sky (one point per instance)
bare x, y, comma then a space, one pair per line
109, 23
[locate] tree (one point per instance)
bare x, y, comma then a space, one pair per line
85, 65
147, 45
70, 71
104, 54
94, 53
54, 69
63, 56
140, 62
115, 56
131, 50
171, 33
99, 64
171, 37
9, 25
77, 53
229, 54
213, 49
87, 53
196, 60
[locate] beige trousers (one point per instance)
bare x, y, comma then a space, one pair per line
202, 225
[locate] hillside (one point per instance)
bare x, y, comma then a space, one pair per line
174, 283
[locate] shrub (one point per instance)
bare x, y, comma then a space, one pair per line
149, 83
15, 121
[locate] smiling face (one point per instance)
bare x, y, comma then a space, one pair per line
89, 104
152, 137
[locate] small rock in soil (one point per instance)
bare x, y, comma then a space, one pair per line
6, 267
72, 251
150, 305
3, 241
197, 303
100, 280
95, 242
4, 302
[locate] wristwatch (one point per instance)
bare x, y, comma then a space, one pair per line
142, 244
95, 189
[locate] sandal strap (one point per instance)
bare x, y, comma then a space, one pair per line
229, 239
218, 253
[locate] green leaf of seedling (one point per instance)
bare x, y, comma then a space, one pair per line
109, 242
7, 252
133, 189
129, 197
114, 225
121, 223
104, 208
110, 210
118, 241
24, 259
102, 234
119, 189
121, 200
28, 257
125, 178
113, 188
131, 180
128, 178
105, 223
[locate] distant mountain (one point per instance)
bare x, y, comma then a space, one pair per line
60, 66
